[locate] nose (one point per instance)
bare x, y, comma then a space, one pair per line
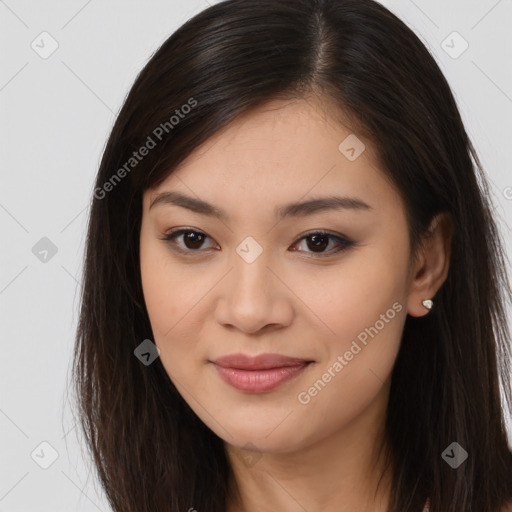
253, 297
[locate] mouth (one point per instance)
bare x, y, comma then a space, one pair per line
258, 374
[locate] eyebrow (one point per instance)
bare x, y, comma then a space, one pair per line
303, 208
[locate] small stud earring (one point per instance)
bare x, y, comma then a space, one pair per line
428, 303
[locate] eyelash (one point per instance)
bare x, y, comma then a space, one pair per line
343, 243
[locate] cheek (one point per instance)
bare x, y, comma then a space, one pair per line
176, 302
166, 293
348, 298
160, 285
168, 286
355, 372
361, 346
362, 307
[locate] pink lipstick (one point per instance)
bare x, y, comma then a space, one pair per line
258, 374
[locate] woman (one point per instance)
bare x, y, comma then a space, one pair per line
294, 295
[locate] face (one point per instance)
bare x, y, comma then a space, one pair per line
320, 287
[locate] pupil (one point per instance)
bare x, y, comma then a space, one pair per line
317, 241
190, 239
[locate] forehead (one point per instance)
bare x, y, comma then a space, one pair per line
280, 152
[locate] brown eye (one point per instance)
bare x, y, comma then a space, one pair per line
193, 240
318, 241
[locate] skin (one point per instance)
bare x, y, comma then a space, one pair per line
287, 455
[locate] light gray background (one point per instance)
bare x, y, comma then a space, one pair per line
56, 114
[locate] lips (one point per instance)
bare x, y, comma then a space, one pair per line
258, 374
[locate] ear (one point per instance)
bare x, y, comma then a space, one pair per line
431, 264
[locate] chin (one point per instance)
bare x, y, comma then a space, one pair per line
266, 435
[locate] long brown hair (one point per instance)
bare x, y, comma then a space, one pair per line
151, 452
